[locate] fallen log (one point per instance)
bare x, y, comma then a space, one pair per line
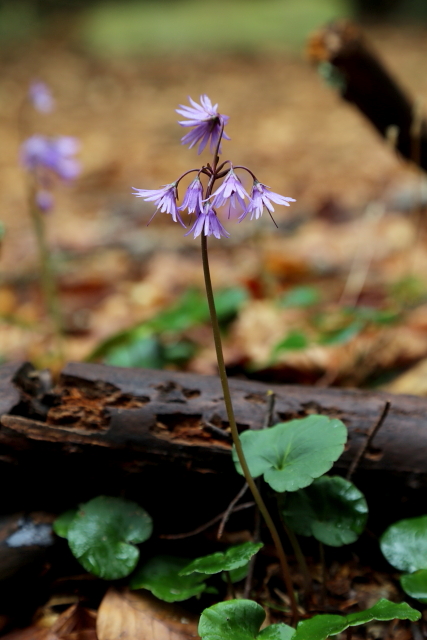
163, 415
364, 81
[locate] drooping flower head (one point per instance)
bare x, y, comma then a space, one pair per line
207, 223
53, 154
207, 125
164, 198
41, 97
261, 196
230, 192
193, 197
206, 122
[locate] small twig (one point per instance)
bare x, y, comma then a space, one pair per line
179, 536
349, 633
229, 509
269, 410
371, 435
216, 430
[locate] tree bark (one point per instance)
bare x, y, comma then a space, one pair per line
364, 81
153, 416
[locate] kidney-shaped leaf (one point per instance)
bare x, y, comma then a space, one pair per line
331, 509
415, 585
62, 523
160, 575
291, 454
103, 534
239, 620
322, 626
236, 575
233, 558
404, 544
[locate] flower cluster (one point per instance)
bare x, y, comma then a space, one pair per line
48, 157
208, 127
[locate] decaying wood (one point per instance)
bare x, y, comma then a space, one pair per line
365, 82
148, 416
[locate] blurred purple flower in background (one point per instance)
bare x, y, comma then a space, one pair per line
41, 97
164, 199
261, 197
207, 123
44, 200
54, 154
231, 190
45, 157
207, 223
193, 197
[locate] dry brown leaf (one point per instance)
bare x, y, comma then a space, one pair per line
134, 616
413, 381
75, 623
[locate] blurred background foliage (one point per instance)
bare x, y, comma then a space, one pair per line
133, 26
131, 295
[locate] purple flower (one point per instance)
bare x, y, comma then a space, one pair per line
207, 123
44, 200
51, 153
207, 222
41, 97
193, 197
164, 199
231, 190
261, 197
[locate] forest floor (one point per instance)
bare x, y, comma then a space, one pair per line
336, 295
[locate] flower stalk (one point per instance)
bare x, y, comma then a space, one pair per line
235, 434
47, 276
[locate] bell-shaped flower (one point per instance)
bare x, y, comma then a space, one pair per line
164, 198
230, 192
261, 196
193, 197
206, 122
207, 223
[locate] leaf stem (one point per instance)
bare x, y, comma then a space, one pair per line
230, 585
300, 558
235, 434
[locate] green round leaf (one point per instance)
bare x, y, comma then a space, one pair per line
62, 523
233, 558
236, 575
291, 454
404, 544
322, 626
415, 585
103, 534
384, 610
160, 575
331, 509
239, 620
277, 631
